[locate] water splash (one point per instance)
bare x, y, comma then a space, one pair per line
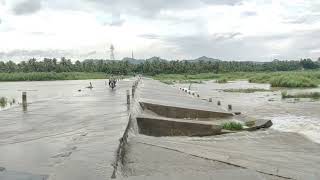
308, 126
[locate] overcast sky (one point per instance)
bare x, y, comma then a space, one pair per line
259, 30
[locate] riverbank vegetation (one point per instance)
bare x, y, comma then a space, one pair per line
200, 69
288, 79
275, 79
312, 95
49, 76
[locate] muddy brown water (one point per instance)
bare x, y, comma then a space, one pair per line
64, 133
290, 115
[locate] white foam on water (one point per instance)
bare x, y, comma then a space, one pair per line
308, 126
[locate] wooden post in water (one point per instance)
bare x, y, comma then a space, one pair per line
133, 90
210, 99
218, 103
128, 96
229, 107
24, 98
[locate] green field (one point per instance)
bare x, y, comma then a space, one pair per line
50, 76
276, 79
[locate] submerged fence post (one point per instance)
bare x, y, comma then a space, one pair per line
133, 90
24, 101
24, 98
229, 107
128, 96
218, 103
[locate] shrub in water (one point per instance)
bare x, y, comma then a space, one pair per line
314, 95
3, 102
234, 126
222, 80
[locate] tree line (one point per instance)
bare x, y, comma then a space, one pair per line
154, 66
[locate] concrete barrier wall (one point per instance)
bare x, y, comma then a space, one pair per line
120, 153
180, 112
169, 127
121, 150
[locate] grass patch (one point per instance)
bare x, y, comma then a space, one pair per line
50, 76
233, 126
312, 95
294, 79
290, 79
170, 82
3, 102
222, 80
250, 90
167, 82
191, 82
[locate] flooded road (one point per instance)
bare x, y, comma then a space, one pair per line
289, 115
69, 134
67, 130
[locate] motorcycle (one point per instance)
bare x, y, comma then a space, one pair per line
112, 84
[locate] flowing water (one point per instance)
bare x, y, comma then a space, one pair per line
290, 115
70, 134
67, 131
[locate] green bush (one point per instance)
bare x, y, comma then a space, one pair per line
233, 126
3, 102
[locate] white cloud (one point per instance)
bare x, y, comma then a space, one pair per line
228, 29
27, 7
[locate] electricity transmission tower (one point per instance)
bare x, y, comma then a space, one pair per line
111, 52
